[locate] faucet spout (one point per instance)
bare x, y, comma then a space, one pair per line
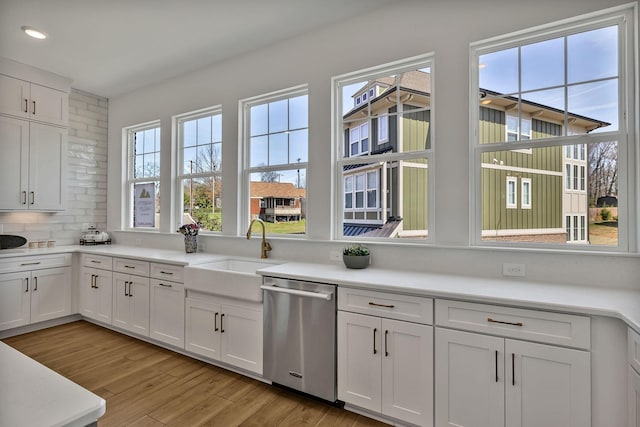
265, 245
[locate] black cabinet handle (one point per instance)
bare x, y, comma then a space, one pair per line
386, 347
221, 327
513, 369
26, 105
496, 365
215, 322
27, 279
126, 294
34, 108
374, 340
381, 305
35, 283
489, 319
23, 199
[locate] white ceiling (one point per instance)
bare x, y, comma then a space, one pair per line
110, 47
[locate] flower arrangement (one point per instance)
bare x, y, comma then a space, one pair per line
357, 250
190, 229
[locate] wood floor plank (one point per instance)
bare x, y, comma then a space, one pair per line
149, 386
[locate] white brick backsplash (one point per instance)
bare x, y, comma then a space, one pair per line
86, 178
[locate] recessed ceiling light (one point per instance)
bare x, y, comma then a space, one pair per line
33, 32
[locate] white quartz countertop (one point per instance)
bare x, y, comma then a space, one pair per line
35, 396
613, 302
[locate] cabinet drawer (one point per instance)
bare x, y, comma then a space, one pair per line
383, 304
26, 263
633, 345
131, 266
97, 261
167, 272
553, 328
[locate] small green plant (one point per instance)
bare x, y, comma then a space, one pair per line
358, 250
605, 214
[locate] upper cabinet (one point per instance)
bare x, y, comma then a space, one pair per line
34, 114
33, 101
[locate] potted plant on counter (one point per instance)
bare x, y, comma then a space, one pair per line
357, 256
190, 232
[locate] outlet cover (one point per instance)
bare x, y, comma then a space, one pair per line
518, 270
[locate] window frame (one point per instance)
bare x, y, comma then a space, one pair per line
512, 192
180, 175
525, 202
338, 161
130, 180
246, 170
626, 136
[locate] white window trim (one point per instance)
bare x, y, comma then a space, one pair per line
525, 182
337, 82
127, 200
512, 180
627, 134
384, 140
245, 170
177, 122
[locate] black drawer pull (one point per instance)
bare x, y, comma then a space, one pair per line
381, 305
489, 319
167, 272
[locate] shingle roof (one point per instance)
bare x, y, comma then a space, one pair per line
388, 229
276, 189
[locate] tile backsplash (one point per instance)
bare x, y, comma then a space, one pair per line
86, 179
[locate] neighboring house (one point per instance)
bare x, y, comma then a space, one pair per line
277, 202
536, 194
366, 211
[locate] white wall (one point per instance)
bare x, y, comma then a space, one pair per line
404, 29
86, 179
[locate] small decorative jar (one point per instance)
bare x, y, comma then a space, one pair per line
190, 243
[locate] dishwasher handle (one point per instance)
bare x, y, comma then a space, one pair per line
309, 294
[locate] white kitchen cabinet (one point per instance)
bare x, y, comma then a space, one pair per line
166, 313
31, 296
33, 101
484, 380
131, 303
32, 165
633, 378
226, 330
386, 365
96, 293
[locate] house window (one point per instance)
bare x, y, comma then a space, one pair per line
525, 193
199, 136
512, 192
383, 129
383, 192
276, 133
143, 176
571, 115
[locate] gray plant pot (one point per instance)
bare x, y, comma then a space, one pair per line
355, 261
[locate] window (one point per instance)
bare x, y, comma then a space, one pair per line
143, 176
200, 168
562, 125
512, 192
382, 189
276, 133
525, 193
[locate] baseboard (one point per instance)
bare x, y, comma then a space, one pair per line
40, 325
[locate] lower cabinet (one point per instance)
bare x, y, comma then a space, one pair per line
131, 303
492, 381
166, 316
633, 378
34, 296
386, 366
96, 293
226, 330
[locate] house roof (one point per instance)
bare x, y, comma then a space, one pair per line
388, 229
261, 189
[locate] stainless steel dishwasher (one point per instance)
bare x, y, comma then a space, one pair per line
300, 336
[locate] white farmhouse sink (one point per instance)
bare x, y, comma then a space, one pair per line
233, 278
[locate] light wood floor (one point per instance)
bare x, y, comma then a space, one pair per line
146, 385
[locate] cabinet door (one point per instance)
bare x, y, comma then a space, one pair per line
359, 364
47, 171
407, 371
49, 105
51, 294
241, 337
469, 379
103, 294
202, 335
139, 305
15, 291
633, 380
120, 308
15, 96
547, 385
166, 313
14, 163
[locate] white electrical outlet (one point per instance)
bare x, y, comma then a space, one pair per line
335, 256
509, 269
